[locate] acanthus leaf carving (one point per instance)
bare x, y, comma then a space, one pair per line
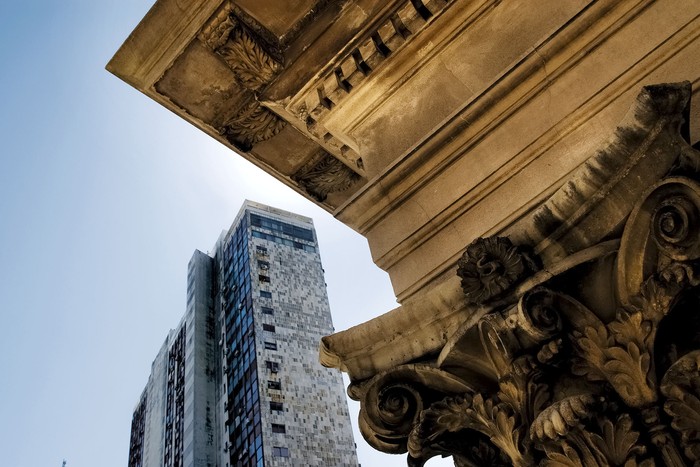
560, 417
455, 414
216, 33
251, 125
585, 353
619, 353
606, 443
252, 69
252, 66
681, 386
325, 175
244, 53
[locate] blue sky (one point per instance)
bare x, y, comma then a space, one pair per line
104, 195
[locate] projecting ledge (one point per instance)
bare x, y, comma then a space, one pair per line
575, 327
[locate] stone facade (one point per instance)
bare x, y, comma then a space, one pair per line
579, 342
314, 402
435, 126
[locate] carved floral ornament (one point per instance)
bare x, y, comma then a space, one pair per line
253, 68
324, 175
591, 341
252, 65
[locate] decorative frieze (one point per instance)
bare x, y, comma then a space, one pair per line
590, 345
408, 19
324, 175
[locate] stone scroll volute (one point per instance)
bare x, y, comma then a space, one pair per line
588, 334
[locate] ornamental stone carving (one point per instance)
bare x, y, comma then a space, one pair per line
490, 266
585, 352
325, 175
253, 68
252, 65
252, 125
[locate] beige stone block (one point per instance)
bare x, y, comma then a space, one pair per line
200, 83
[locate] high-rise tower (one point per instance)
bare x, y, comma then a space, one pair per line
238, 382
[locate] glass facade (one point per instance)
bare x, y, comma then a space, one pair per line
281, 227
175, 402
137, 433
243, 413
283, 241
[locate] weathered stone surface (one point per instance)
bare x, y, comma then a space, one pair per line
425, 125
590, 358
457, 117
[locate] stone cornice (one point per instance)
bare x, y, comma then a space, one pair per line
158, 39
460, 145
574, 339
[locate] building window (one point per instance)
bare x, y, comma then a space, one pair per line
280, 452
276, 406
281, 227
261, 250
277, 428
268, 327
274, 385
263, 278
267, 310
274, 367
271, 345
264, 265
265, 294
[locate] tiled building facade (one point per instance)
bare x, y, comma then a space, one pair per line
238, 383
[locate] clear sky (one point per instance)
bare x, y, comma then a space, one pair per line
104, 195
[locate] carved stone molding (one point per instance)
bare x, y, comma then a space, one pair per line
407, 20
216, 32
325, 175
591, 343
490, 266
253, 68
251, 125
250, 62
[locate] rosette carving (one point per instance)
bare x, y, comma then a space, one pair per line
594, 359
489, 267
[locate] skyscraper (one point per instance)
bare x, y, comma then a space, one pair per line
238, 382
